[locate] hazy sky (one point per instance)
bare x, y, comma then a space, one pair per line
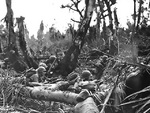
50, 12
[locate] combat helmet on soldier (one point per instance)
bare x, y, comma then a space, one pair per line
51, 59
42, 64
85, 75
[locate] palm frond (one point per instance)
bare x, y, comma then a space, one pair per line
140, 109
147, 111
139, 92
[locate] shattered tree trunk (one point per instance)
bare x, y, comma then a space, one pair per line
109, 15
101, 43
139, 15
49, 92
23, 46
12, 51
48, 95
69, 62
86, 106
9, 24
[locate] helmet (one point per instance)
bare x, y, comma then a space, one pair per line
85, 74
51, 59
42, 64
40, 69
73, 77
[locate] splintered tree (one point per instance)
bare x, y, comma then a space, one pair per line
23, 45
69, 62
40, 35
12, 51
17, 54
9, 24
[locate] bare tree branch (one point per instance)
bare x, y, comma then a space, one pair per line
68, 6
139, 14
75, 21
74, 4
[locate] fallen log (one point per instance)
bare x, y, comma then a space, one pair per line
48, 95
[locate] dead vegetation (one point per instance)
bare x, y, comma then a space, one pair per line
119, 68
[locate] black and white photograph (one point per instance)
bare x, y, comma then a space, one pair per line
74, 56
